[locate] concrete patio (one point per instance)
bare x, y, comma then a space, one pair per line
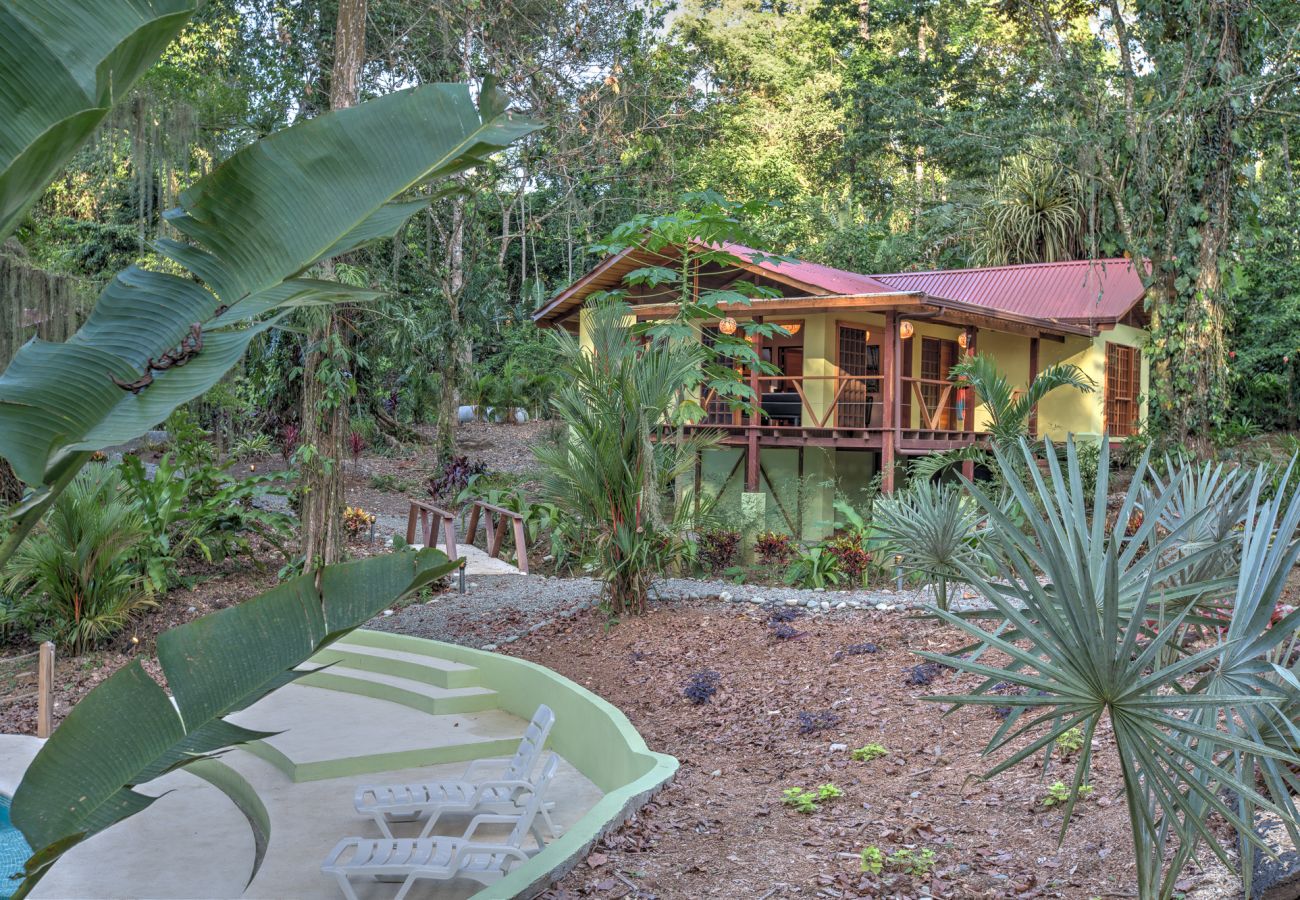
387, 709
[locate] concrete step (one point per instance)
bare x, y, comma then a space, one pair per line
414, 666
417, 694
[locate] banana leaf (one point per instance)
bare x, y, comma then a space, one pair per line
63, 64
156, 340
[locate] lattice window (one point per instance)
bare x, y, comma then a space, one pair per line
1123, 386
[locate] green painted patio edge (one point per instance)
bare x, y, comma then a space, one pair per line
375, 763
591, 733
443, 678
434, 706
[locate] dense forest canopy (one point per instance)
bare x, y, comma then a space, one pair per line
879, 135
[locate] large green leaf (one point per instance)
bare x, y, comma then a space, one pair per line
257, 222
127, 731
63, 64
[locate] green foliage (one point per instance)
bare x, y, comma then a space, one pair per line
806, 801
815, 568
911, 862
1096, 621
1059, 794
1071, 742
57, 91
1035, 214
605, 471
677, 248
870, 752
934, 527
873, 860
253, 445
392, 484
1009, 410
249, 248
78, 580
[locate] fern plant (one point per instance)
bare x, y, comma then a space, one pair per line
79, 579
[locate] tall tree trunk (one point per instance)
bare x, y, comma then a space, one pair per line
324, 399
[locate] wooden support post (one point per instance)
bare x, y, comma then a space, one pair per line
889, 395
45, 690
521, 545
755, 411
968, 467
1033, 373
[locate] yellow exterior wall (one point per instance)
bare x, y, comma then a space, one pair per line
1068, 412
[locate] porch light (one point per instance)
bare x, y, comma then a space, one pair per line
727, 325
906, 330
793, 328
962, 340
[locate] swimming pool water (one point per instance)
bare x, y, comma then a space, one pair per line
13, 851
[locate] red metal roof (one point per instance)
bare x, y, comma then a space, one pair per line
1102, 290
830, 280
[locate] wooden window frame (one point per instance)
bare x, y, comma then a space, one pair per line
1122, 401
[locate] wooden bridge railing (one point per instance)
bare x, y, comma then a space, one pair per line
497, 519
425, 520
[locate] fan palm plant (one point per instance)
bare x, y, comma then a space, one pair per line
1098, 643
1009, 412
607, 470
933, 527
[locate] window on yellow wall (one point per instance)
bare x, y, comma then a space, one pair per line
1123, 385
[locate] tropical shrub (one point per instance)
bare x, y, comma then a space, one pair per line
356, 521
1094, 623
717, 548
933, 527
196, 509
817, 568
606, 470
78, 579
1009, 410
775, 549
854, 560
454, 476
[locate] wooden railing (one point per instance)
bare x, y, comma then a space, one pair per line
497, 519
425, 520
839, 401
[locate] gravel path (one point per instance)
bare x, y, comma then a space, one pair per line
499, 609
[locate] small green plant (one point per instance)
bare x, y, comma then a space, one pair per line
814, 569
908, 862
917, 863
391, 484
808, 801
873, 860
1071, 742
1059, 793
252, 446
869, 752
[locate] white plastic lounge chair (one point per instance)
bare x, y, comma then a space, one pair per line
396, 803
408, 860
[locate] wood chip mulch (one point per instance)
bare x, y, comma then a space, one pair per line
720, 829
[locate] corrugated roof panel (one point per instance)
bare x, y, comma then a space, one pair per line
1082, 291
830, 280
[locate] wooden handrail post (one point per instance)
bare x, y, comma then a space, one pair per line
45, 690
